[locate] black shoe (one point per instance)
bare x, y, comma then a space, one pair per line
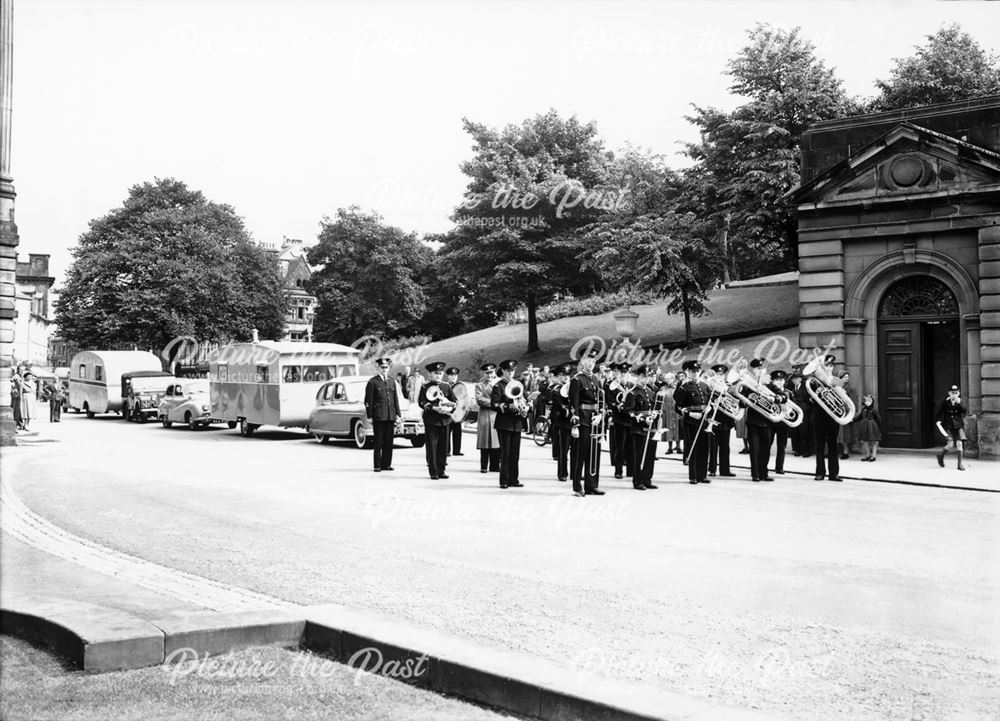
693, 482
639, 488
818, 478
502, 485
712, 474
844, 456
651, 487
767, 478
458, 454
377, 470
581, 494
837, 478
744, 451
482, 470
619, 475
940, 459
515, 484
780, 473
390, 468
434, 478
704, 480
755, 480
443, 475
563, 480
595, 493
728, 475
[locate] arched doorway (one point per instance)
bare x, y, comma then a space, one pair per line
919, 351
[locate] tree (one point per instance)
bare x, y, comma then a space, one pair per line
367, 282
530, 187
951, 66
748, 158
168, 263
650, 245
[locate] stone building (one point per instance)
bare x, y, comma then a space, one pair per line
32, 325
295, 271
899, 260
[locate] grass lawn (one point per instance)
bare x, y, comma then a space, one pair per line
733, 310
258, 683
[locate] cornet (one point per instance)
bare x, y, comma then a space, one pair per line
826, 392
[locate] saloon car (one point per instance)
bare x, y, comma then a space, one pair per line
187, 402
340, 413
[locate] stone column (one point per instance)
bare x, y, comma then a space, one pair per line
989, 336
8, 230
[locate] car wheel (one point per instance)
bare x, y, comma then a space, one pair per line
361, 439
231, 424
246, 429
86, 409
418, 441
189, 419
138, 416
321, 438
165, 422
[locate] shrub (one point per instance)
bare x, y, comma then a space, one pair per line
589, 305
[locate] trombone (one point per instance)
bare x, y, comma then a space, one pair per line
654, 417
597, 429
716, 387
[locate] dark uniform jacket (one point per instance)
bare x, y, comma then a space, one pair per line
508, 419
640, 400
381, 399
691, 396
951, 415
432, 417
782, 395
583, 397
561, 411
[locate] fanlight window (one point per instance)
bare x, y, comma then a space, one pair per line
918, 295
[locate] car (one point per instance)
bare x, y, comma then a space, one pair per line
187, 402
340, 413
141, 394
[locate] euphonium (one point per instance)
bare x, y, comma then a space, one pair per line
755, 395
823, 389
727, 403
515, 394
792, 415
436, 397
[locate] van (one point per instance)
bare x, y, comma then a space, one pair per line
274, 383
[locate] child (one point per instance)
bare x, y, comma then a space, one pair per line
951, 423
866, 428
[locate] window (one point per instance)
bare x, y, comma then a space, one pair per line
98, 373
302, 313
261, 375
339, 393
223, 372
291, 374
318, 374
83, 371
346, 370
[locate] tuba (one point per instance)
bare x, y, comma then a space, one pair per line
754, 394
515, 394
826, 392
727, 403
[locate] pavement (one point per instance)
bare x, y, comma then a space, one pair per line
777, 598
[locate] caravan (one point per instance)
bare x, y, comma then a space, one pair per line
274, 383
96, 376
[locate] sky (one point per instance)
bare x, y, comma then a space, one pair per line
290, 110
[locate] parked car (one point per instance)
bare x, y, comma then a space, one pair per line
340, 413
141, 394
188, 402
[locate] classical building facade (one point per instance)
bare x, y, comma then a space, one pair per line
899, 260
32, 325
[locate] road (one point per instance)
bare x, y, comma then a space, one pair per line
819, 600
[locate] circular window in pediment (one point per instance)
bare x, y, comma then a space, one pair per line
908, 171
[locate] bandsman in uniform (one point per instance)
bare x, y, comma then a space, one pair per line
758, 431
691, 402
643, 408
718, 450
382, 408
825, 433
620, 433
584, 390
951, 422
454, 428
487, 440
560, 418
511, 419
780, 430
437, 417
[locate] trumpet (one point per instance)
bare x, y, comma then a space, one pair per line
436, 398
826, 392
514, 392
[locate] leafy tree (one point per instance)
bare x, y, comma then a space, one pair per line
950, 66
530, 187
367, 284
650, 245
168, 263
748, 158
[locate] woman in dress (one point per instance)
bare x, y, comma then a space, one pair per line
29, 389
867, 429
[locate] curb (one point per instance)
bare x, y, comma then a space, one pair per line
98, 639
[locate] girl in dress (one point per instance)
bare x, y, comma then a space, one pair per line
866, 428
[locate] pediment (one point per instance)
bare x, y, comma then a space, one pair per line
907, 162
